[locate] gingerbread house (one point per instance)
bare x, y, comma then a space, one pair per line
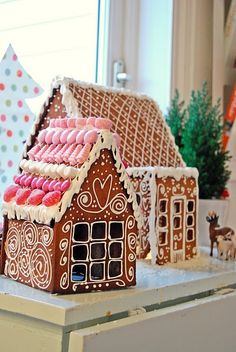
71, 216
169, 199
146, 141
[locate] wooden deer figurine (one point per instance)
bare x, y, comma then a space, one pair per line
215, 230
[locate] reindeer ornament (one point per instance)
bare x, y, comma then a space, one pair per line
215, 231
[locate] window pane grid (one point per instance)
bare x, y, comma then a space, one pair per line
102, 256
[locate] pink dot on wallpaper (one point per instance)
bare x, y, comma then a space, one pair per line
14, 57
2, 86
10, 163
3, 117
26, 118
9, 133
19, 73
36, 90
20, 103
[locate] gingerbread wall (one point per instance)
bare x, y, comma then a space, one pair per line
176, 219
169, 207
93, 247
29, 250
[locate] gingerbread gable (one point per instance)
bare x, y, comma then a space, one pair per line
145, 137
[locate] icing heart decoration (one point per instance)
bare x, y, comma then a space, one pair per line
135, 185
102, 191
145, 203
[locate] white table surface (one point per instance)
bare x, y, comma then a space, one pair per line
155, 285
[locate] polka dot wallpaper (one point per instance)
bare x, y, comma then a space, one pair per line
16, 119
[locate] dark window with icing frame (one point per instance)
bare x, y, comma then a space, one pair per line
177, 207
190, 234
190, 206
177, 222
80, 252
81, 232
162, 238
163, 206
97, 271
115, 249
97, 250
79, 272
99, 230
115, 268
116, 230
190, 220
162, 221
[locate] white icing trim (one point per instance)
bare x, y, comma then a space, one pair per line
197, 227
44, 215
49, 170
152, 238
68, 100
163, 172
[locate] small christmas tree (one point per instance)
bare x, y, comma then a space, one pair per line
176, 118
202, 144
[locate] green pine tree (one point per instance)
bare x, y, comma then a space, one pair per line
176, 118
202, 144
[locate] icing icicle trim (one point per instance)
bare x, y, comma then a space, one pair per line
69, 102
163, 172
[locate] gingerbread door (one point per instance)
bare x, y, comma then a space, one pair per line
177, 228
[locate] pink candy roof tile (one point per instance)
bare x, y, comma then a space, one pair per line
55, 174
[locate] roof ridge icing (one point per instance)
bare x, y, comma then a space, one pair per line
164, 171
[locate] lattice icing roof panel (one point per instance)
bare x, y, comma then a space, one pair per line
146, 139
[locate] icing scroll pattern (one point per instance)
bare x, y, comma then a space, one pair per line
143, 189
28, 254
64, 247
130, 248
101, 193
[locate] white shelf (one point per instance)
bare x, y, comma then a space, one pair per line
155, 285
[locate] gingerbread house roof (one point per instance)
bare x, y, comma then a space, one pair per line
50, 163
146, 138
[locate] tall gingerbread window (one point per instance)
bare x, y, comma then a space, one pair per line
190, 220
162, 222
